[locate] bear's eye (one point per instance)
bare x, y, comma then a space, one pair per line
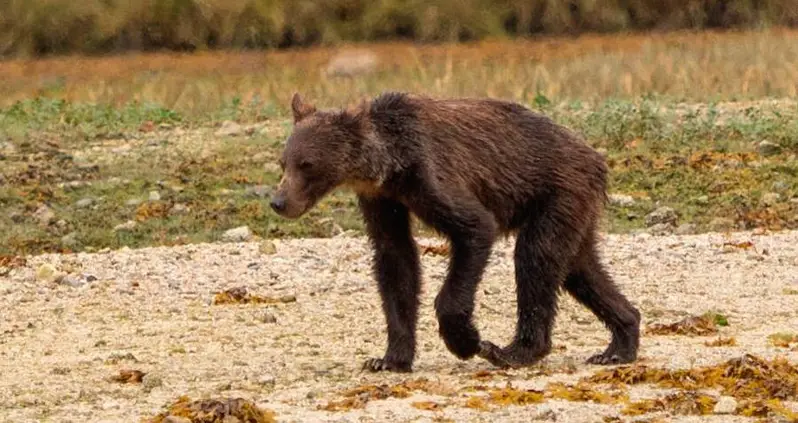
305, 165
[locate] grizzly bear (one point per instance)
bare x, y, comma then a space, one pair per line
473, 170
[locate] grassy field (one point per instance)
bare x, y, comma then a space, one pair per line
694, 121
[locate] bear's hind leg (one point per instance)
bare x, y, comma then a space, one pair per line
545, 247
591, 285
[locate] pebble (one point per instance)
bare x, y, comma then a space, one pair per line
239, 234
268, 317
155, 196
661, 229
45, 272
127, 226
179, 209
267, 248
84, 202
622, 200
769, 148
151, 381
661, 215
267, 380
133, 202
44, 215
725, 405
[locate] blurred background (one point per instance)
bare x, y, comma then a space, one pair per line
35, 27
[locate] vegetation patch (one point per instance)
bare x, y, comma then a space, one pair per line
214, 411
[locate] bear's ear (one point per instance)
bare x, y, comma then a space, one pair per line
300, 109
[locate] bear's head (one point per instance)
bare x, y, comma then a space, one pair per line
321, 154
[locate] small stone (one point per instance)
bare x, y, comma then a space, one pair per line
229, 129
45, 272
75, 281
268, 317
84, 202
770, 198
725, 405
154, 196
662, 215
267, 248
768, 148
133, 202
661, 229
267, 380
151, 381
492, 291
239, 234
622, 200
44, 215
127, 226
178, 209
686, 229
291, 298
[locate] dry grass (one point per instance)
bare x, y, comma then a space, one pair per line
689, 66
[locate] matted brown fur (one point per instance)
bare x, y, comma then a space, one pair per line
473, 169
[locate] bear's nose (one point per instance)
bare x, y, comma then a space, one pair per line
278, 204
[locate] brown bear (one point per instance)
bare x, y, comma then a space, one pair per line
472, 169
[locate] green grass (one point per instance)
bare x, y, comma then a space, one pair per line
702, 163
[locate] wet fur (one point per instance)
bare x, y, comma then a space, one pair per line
474, 170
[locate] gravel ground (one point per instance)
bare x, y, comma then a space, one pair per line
151, 310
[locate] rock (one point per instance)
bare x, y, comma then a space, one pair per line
239, 234
702, 200
268, 317
768, 148
661, 229
127, 226
151, 381
179, 209
290, 298
770, 198
622, 200
229, 129
686, 229
84, 202
267, 380
133, 202
154, 196
661, 215
721, 224
260, 191
351, 63
44, 215
75, 281
267, 248
492, 291
45, 272
725, 405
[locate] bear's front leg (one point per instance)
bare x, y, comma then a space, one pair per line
397, 270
